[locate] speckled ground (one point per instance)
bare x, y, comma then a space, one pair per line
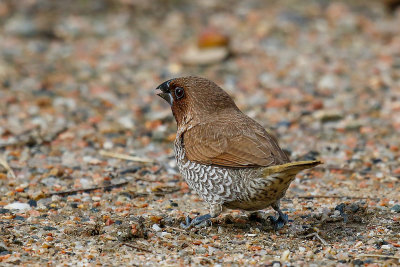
87, 172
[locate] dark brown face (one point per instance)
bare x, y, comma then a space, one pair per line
176, 96
194, 97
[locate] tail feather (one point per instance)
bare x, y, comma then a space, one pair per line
291, 167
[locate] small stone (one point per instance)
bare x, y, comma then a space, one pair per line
3, 249
38, 195
396, 208
358, 244
278, 103
55, 198
108, 145
201, 250
336, 213
109, 222
21, 26
212, 38
93, 209
212, 250
340, 207
310, 155
358, 262
57, 172
195, 56
328, 115
126, 122
19, 218
18, 206
46, 245
49, 228
166, 235
156, 227
342, 256
32, 203
285, 255
328, 81
4, 211
354, 207
96, 198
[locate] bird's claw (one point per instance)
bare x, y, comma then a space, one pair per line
199, 221
280, 222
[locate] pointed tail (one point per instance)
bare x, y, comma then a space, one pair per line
291, 167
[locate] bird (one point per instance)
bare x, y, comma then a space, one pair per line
226, 157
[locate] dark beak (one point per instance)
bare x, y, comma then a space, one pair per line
167, 97
165, 94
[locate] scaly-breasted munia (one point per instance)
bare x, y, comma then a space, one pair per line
229, 159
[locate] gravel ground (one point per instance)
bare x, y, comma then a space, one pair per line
87, 172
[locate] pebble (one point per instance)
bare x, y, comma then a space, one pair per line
285, 255
328, 81
196, 56
201, 250
251, 235
3, 211
18, 206
156, 227
19, 218
3, 249
336, 213
396, 208
328, 115
354, 207
166, 234
212, 38
126, 121
212, 250
358, 262
22, 26
49, 228
96, 198
32, 203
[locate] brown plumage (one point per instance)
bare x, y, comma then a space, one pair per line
229, 159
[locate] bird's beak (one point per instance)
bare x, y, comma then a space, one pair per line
167, 97
165, 94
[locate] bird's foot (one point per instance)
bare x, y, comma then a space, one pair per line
199, 221
280, 222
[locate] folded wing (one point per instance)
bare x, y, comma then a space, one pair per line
242, 143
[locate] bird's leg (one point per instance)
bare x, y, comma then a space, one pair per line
203, 220
282, 218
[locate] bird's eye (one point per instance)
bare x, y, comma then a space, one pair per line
179, 92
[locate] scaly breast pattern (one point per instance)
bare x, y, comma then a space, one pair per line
234, 188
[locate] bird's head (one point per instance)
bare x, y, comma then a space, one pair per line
194, 98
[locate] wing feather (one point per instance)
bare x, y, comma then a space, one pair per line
243, 144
